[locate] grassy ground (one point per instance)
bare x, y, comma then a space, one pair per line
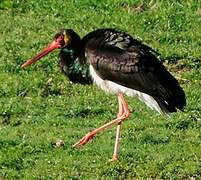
39, 105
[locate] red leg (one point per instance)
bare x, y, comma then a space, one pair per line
123, 110
122, 115
116, 145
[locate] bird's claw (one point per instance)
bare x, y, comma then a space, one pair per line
84, 140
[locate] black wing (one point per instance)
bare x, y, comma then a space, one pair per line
118, 57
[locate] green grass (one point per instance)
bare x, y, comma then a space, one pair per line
39, 105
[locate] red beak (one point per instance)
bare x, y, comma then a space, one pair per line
51, 47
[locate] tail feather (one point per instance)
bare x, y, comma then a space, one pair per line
171, 97
170, 104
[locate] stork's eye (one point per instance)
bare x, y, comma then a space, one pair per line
59, 38
57, 35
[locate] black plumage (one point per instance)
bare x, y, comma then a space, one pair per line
118, 57
116, 62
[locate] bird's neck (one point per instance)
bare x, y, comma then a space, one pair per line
70, 65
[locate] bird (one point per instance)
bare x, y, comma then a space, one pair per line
119, 64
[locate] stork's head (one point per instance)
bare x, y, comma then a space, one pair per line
66, 38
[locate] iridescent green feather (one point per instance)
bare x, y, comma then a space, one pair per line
76, 72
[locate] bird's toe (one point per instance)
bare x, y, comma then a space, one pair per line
84, 140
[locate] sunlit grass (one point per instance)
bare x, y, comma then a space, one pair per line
39, 106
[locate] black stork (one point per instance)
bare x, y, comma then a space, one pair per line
117, 63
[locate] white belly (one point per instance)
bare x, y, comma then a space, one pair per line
112, 87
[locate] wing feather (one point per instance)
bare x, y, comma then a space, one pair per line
130, 63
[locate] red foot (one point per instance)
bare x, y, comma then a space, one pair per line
114, 158
84, 140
